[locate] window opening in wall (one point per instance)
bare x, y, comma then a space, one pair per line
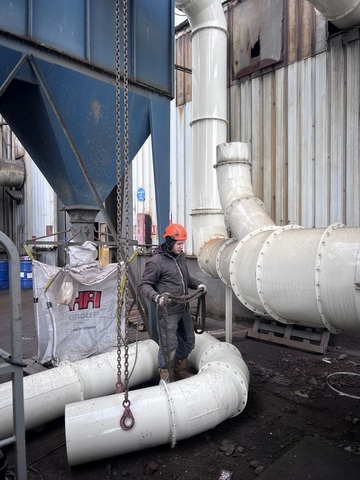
255, 50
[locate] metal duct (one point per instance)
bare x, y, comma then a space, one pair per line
209, 113
341, 13
12, 173
46, 393
284, 272
164, 413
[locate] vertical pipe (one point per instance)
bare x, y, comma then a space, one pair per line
209, 112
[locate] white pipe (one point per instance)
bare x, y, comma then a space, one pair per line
46, 393
165, 413
286, 272
209, 112
342, 13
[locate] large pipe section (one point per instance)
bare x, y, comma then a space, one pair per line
176, 411
286, 273
209, 112
165, 413
46, 393
292, 274
341, 13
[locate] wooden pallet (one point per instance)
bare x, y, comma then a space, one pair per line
295, 336
135, 318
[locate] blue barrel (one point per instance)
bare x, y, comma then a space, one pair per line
26, 274
4, 274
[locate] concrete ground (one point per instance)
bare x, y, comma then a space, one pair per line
294, 425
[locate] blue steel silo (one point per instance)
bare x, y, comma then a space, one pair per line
57, 92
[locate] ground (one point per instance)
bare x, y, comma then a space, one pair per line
289, 401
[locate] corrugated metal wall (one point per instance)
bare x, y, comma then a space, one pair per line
299, 115
180, 176
40, 204
302, 125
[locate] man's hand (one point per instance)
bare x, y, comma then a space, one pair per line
162, 299
203, 288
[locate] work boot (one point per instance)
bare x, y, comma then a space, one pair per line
180, 369
164, 375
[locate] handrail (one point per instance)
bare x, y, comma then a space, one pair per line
14, 359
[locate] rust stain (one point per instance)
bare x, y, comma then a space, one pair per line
96, 110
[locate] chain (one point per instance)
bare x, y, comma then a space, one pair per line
127, 181
127, 420
118, 191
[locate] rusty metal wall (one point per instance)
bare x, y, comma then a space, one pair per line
263, 36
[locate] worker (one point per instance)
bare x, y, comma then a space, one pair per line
166, 273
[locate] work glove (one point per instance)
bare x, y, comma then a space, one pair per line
162, 299
203, 288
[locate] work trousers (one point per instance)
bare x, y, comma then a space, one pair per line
176, 338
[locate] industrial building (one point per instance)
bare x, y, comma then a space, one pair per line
240, 122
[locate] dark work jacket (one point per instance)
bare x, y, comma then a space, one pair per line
165, 273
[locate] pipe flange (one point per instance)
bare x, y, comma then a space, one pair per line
259, 265
236, 374
319, 255
205, 242
213, 352
218, 260
172, 413
202, 248
235, 288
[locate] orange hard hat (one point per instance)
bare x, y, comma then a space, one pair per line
176, 232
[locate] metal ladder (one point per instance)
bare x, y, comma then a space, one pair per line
14, 361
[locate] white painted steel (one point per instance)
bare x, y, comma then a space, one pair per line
293, 274
209, 113
165, 413
243, 211
46, 393
168, 413
342, 13
273, 270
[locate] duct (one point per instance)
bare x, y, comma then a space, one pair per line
283, 272
46, 393
209, 113
342, 13
286, 272
12, 173
165, 413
